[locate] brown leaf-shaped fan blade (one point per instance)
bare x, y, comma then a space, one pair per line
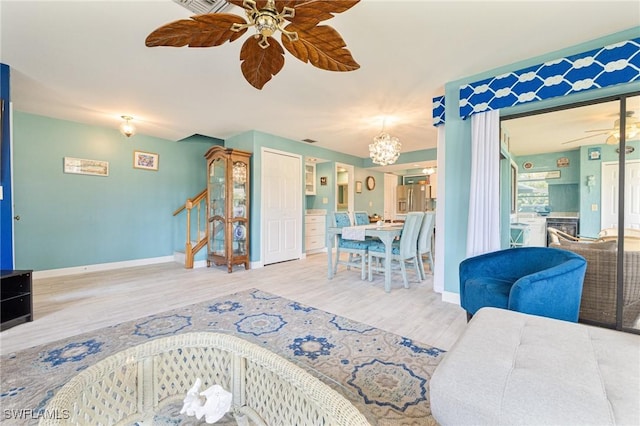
236, 2
310, 13
258, 64
207, 30
322, 46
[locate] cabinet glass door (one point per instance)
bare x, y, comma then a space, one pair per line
240, 213
310, 179
217, 204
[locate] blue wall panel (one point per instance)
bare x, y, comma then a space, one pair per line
6, 212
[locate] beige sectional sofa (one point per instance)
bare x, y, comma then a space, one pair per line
509, 368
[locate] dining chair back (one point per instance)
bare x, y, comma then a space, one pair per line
356, 249
361, 218
402, 252
425, 242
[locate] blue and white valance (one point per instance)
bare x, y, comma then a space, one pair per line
607, 66
438, 110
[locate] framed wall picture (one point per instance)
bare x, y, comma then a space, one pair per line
594, 153
371, 183
323, 180
81, 166
358, 187
145, 160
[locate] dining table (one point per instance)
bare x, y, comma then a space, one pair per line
386, 233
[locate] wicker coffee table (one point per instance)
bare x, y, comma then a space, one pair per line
135, 384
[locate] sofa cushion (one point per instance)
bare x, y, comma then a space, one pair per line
511, 368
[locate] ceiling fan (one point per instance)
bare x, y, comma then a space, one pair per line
632, 127
261, 55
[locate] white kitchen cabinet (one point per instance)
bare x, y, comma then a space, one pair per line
537, 230
315, 232
310, 178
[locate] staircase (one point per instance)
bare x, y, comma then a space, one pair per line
197, 234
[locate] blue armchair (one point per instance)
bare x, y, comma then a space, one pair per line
534, 280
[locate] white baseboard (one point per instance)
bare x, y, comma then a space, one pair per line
450, 297
101, 267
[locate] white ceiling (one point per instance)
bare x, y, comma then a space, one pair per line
568, 129
86, 61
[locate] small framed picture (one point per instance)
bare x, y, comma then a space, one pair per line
145, 160
358, 187
323, 180
594, 153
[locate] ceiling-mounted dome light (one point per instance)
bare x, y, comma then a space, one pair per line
126, 128
429, 170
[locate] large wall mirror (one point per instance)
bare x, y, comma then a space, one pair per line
574, 169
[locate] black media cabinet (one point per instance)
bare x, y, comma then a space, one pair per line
16, 301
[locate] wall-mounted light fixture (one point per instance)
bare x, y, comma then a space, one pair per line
126, 128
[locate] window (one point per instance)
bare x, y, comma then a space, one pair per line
533, 193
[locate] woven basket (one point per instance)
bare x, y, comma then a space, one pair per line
134, 384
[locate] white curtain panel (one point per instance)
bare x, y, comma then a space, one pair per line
438, 273
483, 233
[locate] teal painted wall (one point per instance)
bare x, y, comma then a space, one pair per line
590, 220
323, 191
69, 220
548, 162
72, 220
254, 141
458, 145
370, 201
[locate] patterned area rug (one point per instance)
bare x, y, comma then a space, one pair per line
385, 375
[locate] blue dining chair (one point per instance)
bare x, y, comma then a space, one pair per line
425, 242
356, 249
361, 218
540, 281
403, 251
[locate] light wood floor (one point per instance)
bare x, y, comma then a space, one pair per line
69, 305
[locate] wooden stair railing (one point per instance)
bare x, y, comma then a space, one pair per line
198, 202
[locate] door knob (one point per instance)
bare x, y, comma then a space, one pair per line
17, 217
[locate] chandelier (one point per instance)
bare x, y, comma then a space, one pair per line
385, 149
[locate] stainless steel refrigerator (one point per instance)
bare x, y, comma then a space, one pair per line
413, 198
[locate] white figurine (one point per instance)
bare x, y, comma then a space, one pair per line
217, 404
192, 401
212, 403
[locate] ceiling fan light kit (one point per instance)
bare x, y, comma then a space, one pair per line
261, 55
632, 129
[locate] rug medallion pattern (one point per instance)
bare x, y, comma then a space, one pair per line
385, 375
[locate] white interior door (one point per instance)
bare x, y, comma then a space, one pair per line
282, 206
609, 195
